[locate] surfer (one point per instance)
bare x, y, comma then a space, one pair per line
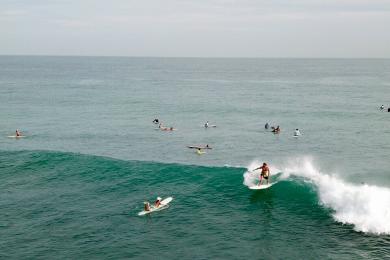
206, 124
276, 130
146, 206
199, 151
266, 126
17, 133
158, 202
297, 133
265, 173
382, 107
155, 121
163, 128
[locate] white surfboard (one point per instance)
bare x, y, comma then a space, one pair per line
15, 136
261, 187
164, 205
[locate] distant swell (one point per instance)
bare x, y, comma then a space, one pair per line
366, 207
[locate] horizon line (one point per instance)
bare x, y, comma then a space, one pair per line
189, 57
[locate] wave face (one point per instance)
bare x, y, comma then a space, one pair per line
367, 207
65, 205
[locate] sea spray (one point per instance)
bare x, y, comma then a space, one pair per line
367, 207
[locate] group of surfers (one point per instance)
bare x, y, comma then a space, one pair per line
161, 127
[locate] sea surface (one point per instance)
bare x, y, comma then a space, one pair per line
72, 188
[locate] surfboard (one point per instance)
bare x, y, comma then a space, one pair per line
261, 187
199, 147
164, 205
167, 129
14, 136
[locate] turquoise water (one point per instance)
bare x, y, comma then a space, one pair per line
73, 187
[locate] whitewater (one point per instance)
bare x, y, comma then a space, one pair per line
366, 207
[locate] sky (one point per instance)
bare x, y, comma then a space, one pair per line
197, 28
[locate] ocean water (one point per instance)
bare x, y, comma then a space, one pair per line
73, 186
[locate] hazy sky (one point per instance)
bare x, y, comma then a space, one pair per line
197, 28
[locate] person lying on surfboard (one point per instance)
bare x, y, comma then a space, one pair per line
265, 173
163, 128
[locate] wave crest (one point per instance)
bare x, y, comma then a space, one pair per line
366, 207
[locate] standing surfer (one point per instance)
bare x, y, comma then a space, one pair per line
265, 173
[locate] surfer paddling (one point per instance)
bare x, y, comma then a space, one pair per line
163, 128
265, 173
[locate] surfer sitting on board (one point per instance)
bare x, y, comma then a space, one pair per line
206, 124
265, 173
17, 133
146, 206
158, 202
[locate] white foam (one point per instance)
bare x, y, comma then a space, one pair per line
366, 207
